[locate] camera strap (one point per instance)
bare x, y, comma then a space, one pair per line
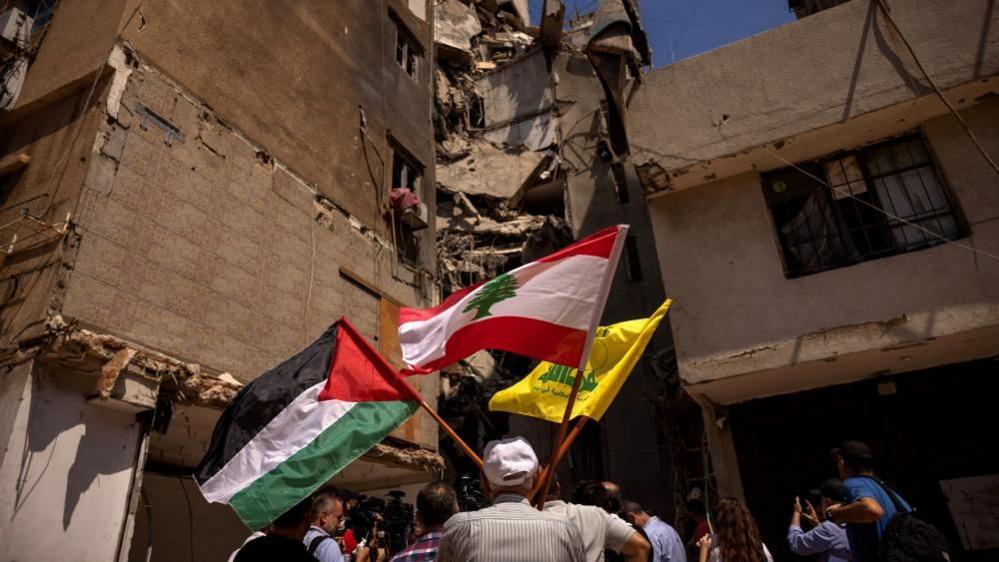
316, 541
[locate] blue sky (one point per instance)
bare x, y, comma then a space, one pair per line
683, 28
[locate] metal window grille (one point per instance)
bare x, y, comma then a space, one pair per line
825, 226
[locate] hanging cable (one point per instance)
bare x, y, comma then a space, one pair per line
887, 14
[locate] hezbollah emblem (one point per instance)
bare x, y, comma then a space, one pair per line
497, 290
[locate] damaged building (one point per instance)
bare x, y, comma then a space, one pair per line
192, 192
828, 228
532, 153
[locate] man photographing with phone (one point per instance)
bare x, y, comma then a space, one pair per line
826, 538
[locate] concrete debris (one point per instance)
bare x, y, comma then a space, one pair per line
400, 453
502, 162
616, 47
519, 89
455, 24
111, 359
112, 370
490, 171
497, 134
552, 16
535, 133
108, 358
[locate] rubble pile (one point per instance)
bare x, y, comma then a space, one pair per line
495, 131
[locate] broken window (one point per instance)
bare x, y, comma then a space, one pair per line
405, 172
409, 213
407, 50
869, 203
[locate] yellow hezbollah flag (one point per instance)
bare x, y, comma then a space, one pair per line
616, 350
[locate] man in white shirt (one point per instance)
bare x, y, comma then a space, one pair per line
511, 530
599, 530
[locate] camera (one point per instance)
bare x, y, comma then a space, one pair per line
470, 495
389, 521
398, 520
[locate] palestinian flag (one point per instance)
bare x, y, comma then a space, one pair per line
547, 309
289, 431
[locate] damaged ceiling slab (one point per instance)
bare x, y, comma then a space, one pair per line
519, 89
490, 171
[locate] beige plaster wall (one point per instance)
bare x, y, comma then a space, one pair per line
67, 469
57, 141
691, 119
292, 76
736, 314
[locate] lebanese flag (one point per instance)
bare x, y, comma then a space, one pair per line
546, 309
293, 428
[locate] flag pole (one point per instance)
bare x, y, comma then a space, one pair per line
584, 359
546, 479
562, 450
440, 421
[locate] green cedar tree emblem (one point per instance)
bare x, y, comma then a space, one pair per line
497, 290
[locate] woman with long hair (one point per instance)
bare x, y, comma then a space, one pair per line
737, 537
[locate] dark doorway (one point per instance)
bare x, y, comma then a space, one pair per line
924, 427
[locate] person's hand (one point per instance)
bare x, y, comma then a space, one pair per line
832, 509
705, 542
810, 514
797, 504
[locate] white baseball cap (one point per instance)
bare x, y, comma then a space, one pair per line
509, 462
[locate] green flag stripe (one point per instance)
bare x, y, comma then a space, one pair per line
341, 443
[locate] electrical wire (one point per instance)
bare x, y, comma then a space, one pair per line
64, 161
981, 149
879, 209
190, 517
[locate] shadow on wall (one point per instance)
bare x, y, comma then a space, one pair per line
66, 435
890, 45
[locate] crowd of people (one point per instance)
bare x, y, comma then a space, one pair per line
596, 524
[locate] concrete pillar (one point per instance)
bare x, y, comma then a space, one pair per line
721, 446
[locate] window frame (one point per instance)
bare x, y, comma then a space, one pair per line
844, 233
408, 252
412, 50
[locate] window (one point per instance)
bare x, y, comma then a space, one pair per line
409, 214
840, 222
407, 50
405, 172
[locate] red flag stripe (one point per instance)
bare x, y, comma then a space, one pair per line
358, 373
600, 244
523, 336
416, 314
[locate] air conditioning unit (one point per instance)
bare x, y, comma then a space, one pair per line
15, 30
416, 217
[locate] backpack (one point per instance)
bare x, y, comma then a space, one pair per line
910, 538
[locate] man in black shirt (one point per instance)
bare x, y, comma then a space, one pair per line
284, 539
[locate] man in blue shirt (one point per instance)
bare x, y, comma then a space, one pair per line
867, 506
327, 514
827, 539
666, 543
